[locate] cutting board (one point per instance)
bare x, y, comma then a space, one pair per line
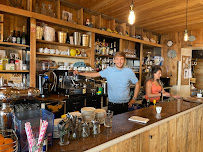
193, 99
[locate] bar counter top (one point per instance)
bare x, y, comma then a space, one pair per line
123, 129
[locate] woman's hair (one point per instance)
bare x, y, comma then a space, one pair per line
150, 75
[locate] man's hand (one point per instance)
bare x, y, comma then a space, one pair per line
75, 72
131, 102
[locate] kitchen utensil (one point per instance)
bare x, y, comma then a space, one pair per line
49, 33
62, 36
85, 40
77, 38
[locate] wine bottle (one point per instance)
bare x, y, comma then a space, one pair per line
67, 38
23, 38
14, 37
18, 37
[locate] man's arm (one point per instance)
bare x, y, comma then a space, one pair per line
137, 89
91, 74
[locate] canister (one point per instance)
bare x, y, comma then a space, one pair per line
85, 40
77, 38
62, 36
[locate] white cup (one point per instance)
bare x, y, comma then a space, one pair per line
58, 51
41, 50
199, 95
158, 109
46, 50
52, 51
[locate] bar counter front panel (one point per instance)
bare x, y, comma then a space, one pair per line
179, 127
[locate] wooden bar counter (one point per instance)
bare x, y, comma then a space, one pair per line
179, 127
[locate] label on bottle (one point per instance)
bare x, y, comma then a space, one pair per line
13, 39
23, 41
18, 40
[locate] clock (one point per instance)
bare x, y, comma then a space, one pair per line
171, 54
169, 43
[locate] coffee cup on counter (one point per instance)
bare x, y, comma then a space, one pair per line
158, 109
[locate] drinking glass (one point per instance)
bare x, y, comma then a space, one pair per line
108, 119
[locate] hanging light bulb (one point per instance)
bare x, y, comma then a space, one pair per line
131, 17
186, 35
186, 32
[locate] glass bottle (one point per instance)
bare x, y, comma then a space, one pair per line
50, 11
14, 37
23, 38
6, 116
103, 47
114, 48
43, 10
67, 38
9, 39
18, 38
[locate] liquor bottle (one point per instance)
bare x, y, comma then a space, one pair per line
107, 49
97, 47
67, 38
23, 38
14, 37
103, 47
114, 48
111, 49
18, 37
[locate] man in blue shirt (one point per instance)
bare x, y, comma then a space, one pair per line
118, 84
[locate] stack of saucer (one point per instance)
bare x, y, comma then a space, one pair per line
88, 114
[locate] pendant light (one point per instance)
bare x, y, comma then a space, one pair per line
186, 31
131, 17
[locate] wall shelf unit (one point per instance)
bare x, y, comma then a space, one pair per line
64, 56
62, 44
79, 17
15, 45
14, 71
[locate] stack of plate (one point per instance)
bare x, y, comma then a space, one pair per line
88, 114
100, 115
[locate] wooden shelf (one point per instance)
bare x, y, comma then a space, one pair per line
136, 72
63, 23
110, 56
62, 44
8, 44
132, 58
64, 56
14, 71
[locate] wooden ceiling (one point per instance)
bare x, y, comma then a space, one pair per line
159, 16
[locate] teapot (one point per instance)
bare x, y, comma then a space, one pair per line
74, 52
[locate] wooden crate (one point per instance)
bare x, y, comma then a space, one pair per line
1, 17
1, 32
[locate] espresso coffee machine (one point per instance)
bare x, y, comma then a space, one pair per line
68, 83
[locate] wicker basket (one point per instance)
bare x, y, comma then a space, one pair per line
9, 133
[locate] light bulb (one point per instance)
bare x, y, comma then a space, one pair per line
131, 18
186, 35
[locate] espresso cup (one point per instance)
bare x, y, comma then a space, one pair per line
46, 50
158, 109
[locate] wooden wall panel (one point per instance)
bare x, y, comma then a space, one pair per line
199, 74
172, 134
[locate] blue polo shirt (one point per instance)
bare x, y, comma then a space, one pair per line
118, 83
